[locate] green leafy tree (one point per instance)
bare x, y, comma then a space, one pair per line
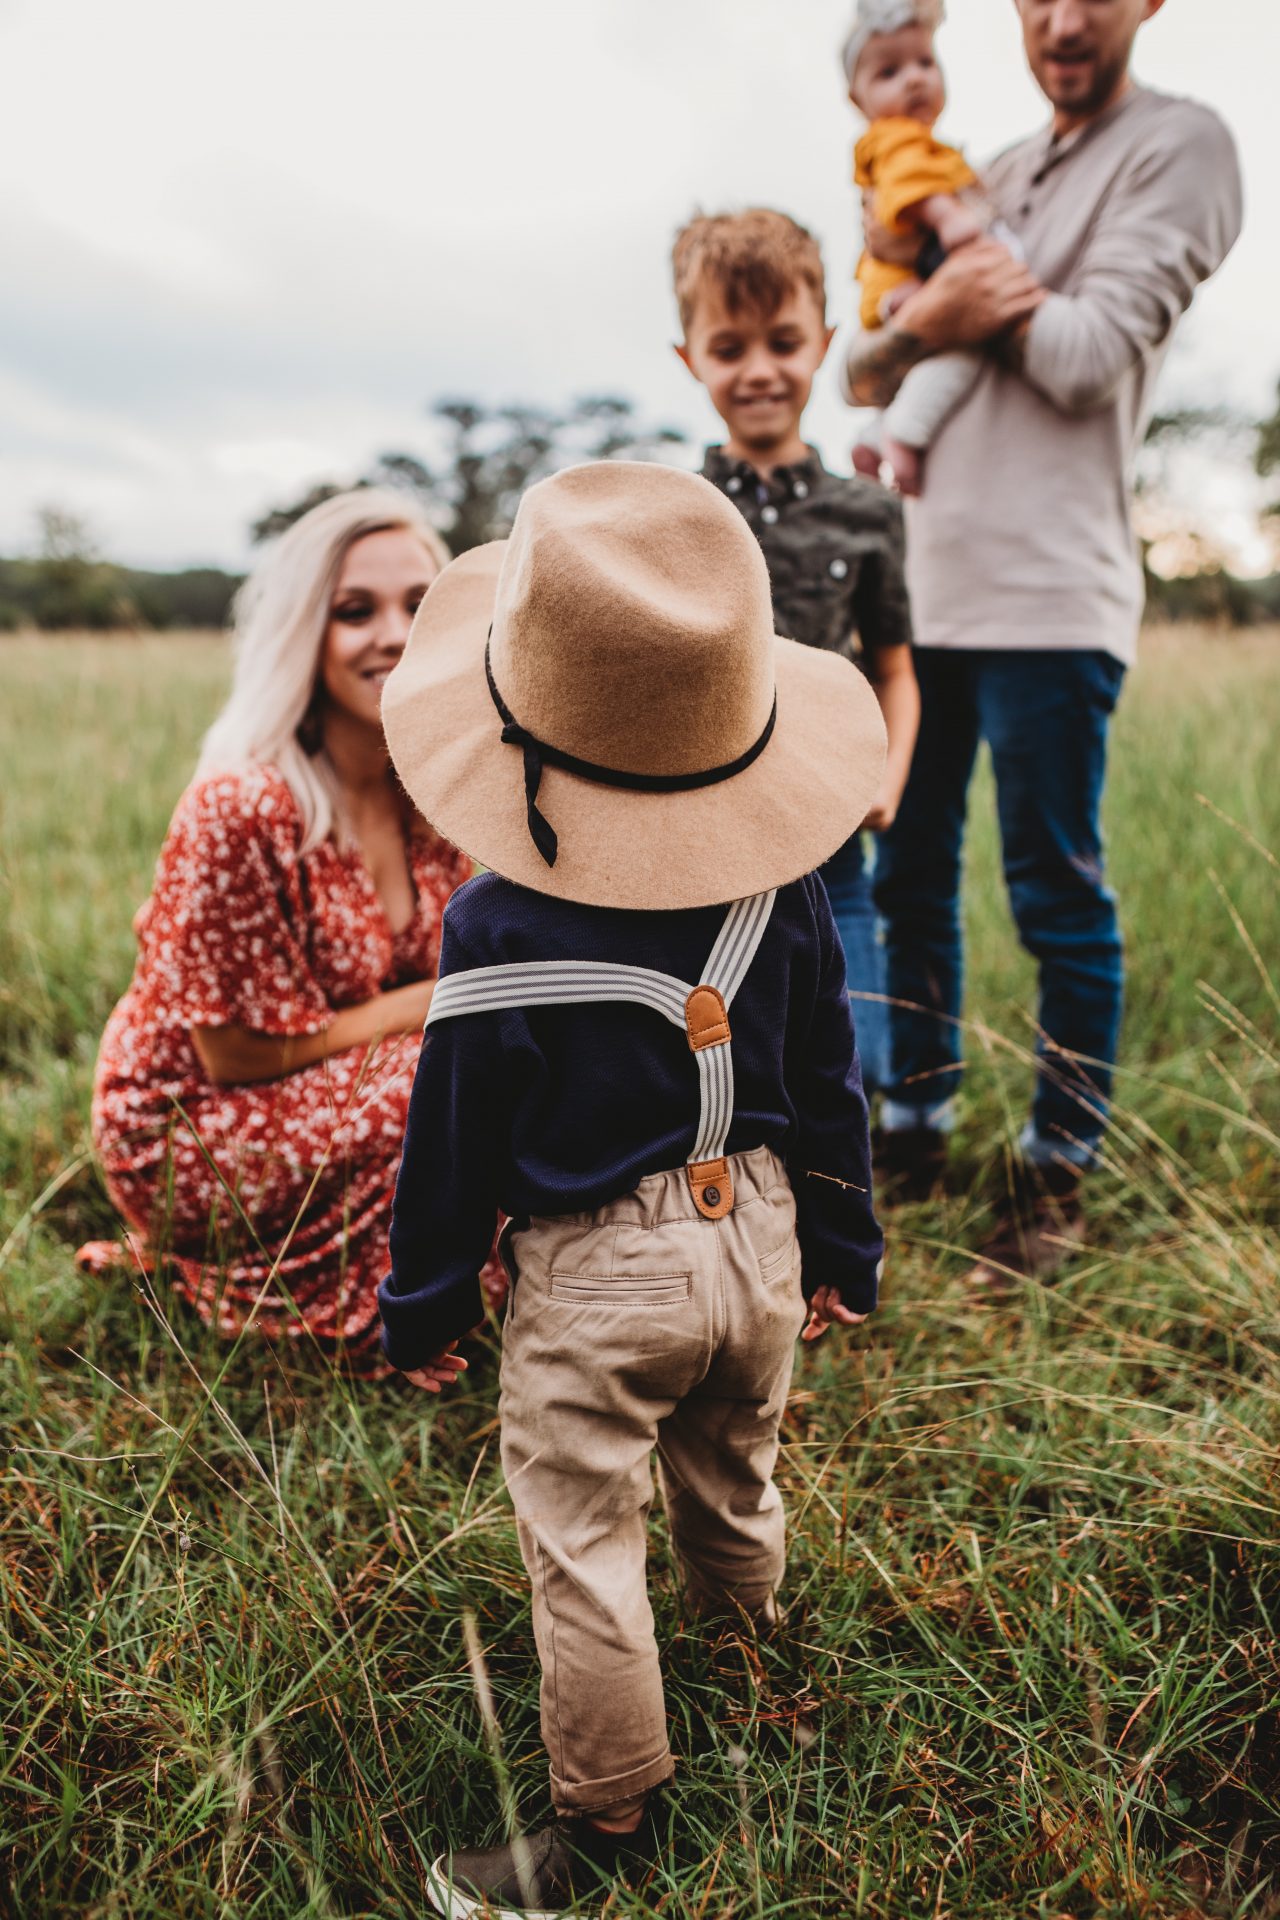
70, 585
1266, 453
277, 519
490, 455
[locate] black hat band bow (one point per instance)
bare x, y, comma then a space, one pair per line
539, 754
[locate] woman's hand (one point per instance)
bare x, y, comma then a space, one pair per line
406, 1008
239, 1056
440, 1371
827, 1306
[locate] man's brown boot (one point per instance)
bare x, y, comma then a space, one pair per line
1039, 1229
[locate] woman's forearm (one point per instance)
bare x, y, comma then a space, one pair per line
236, 1056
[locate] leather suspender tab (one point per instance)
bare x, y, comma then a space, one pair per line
711, 1185
706, 1019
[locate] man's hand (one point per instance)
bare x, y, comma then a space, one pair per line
975, 295
440, 1371
826, 1306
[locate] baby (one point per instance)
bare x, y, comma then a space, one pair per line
917, 186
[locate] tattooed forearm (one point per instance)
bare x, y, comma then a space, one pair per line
878, 365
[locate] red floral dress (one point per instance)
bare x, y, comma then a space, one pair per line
273, 1197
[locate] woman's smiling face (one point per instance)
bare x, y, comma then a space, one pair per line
381, 582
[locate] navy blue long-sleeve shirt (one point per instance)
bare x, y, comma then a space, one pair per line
561, 1109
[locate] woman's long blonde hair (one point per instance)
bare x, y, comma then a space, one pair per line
281, 613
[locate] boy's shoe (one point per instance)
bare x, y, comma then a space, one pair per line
1040, 1228
560, 1865
908, 1164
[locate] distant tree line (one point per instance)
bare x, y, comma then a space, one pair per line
489, 455
66, 585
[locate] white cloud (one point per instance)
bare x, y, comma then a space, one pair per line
284, 225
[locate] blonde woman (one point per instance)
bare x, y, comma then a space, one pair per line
252, 1084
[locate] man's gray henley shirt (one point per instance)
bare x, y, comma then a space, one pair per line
1023, 537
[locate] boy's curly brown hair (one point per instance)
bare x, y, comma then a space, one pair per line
755, 258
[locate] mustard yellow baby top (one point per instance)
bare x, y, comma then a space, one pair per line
901, 164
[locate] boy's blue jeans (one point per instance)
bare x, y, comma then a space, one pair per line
1045, 717
848, 877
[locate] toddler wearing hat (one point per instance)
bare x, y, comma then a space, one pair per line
641, 1049
917, 185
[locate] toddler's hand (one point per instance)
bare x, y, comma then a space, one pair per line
826, 1306
440, 1371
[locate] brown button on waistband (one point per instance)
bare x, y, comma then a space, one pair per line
711, 1184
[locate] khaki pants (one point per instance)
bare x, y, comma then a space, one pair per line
643, 1326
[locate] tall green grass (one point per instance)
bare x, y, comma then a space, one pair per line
1031, 1661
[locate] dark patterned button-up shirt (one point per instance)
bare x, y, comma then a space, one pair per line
834, 548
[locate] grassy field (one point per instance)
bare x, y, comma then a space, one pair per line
1032, 1664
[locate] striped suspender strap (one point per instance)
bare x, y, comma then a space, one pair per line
702, 1012
550, 983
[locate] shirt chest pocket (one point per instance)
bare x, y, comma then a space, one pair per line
814, 602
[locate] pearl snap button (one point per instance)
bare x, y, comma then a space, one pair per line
800, 490
838, 569
768, 515
735, 485
712, 1196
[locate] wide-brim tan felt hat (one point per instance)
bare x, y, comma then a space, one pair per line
599, 708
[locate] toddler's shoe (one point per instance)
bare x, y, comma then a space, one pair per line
562, 1864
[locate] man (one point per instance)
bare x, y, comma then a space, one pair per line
1025, 582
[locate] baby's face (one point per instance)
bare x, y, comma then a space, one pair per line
899, 78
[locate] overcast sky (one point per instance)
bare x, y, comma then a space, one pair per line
245, 244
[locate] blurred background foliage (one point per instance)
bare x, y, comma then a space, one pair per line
487, 455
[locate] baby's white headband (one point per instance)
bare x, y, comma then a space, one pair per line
885, 16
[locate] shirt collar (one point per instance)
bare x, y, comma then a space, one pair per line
1049, 151
737, 477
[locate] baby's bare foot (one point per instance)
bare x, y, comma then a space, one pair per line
907, 467
866, 460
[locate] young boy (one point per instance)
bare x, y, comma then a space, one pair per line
917, 187
752, 303
661, 1090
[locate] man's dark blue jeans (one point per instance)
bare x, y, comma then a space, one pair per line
1045, 717
848, 881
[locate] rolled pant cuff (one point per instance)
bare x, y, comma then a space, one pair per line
590, 1796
